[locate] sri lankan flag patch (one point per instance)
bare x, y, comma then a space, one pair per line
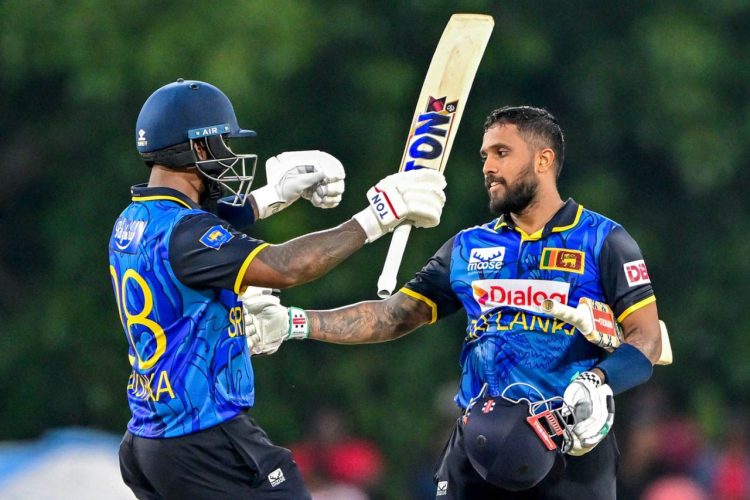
562, 259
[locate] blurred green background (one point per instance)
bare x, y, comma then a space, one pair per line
653, 96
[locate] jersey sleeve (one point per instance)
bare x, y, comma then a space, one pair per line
206, 252
432, 285
625, 280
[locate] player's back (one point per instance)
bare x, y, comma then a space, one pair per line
190, 368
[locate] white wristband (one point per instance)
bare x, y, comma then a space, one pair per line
370, 224
267, 200
299, 328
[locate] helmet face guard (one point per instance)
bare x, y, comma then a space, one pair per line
234, 172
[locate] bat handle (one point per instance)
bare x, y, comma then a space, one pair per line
387, 280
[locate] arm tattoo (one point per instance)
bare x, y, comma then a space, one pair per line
369, 322
311, 256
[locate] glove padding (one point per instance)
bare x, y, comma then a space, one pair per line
267, 323
413, 196
594, 408
313, 175
266, 320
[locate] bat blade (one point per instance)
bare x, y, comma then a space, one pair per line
440, 105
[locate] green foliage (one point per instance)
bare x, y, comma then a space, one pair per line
653, 97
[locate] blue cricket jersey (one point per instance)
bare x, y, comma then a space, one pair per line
500, 275
176, 271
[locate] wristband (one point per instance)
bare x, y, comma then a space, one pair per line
239, 216
299, 328
626, 368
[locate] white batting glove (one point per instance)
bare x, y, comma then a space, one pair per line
594, 407
316, 175
268, 324
414, 196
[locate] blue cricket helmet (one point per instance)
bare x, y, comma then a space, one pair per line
172, 111
515, 444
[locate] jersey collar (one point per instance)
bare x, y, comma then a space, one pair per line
141, 192
565, 218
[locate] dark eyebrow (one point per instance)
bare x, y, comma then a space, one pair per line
494, 146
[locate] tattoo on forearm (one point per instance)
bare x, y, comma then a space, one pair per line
369, 322
311, 256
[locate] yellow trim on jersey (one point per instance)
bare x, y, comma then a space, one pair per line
422, 298
630, 310
243, 269
161, 197
538, 234
572, 224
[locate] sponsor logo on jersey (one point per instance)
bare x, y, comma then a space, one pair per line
636, 273
521, 294
429, 135
128, 234
563, 259
215, 237
442, 488
486, 259
276, 478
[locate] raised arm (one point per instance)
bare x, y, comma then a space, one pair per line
415, 196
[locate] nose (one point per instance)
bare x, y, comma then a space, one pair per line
488, 167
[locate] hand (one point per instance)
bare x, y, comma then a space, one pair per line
593, 405
268, 323
315, 175
266, 320
327, 193
414, 196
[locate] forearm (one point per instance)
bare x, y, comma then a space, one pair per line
305, 258
369, 322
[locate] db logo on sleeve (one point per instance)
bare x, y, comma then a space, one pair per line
636, 273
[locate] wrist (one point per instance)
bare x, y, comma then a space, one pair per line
299, 326
370, 224
267, 201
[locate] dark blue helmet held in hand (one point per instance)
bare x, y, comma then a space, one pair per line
515, 444
177, 115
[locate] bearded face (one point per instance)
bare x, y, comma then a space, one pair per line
513, 197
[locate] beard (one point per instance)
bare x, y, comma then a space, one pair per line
518, 196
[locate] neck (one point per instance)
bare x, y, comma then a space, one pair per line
188, 182
539, 212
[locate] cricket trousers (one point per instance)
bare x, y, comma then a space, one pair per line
233, 460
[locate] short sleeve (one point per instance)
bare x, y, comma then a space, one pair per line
206, 252
625, 280
432, 285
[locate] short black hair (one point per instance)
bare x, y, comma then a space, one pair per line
536, 125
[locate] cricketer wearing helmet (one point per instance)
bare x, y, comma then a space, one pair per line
539, 247
178, 261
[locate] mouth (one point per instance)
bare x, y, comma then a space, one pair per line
493, 185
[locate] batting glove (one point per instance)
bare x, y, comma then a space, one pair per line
593, 406
267, 323
314, 175
414, 196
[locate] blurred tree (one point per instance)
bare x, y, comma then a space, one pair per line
653, 96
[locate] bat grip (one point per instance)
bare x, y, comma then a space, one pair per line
566, 313
387, 280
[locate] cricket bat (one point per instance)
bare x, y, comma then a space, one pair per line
439, 109
597, 323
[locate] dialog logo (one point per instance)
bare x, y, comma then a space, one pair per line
521, 294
